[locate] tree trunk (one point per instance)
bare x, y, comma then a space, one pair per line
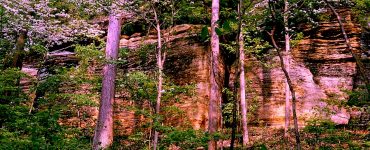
235, 110
287, 66
290, 84
18, 56
243, 103
233, 129
103, 137
361, 67
215, 96
160, 63
16, 59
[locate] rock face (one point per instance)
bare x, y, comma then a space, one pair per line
187, 62
321, 68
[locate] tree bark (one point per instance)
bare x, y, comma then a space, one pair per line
290, 84
215, 96
287, 66
361, 66
16, 59
18, 56
243, 103
160, 63
103, 137
235, 109
233, 129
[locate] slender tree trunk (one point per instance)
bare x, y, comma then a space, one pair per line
233, 129
160, 63
103, 137
287, 64
235, 110
290, 84
215, 96
361, 66
243, 103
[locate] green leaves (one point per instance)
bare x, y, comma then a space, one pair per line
186, 139
10, 90
362, 11
228, 27
218, 31
141, 87
204, 34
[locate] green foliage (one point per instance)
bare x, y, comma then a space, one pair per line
10, 91
186, 139
36, 53
358, 97
144, 52
90, 58
324, 17
42, 129
204, 34
319, 126
139, 85
52, 83
5, 47
190, 11
228, 106
296, 39
173, 92
362, 11
21, 130
88, 54
79, 10
259, 146
324, 134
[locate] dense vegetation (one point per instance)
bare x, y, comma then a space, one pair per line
56, 108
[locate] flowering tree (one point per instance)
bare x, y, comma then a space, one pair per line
45, 23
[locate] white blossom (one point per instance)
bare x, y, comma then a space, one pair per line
44, 23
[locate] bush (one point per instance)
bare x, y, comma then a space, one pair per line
186, 139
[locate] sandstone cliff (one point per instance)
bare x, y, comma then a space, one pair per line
321, 68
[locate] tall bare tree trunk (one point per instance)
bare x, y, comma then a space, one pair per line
103, 137
361, 67
290, 84
243, 103
287, 66
160, 63
215, 96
